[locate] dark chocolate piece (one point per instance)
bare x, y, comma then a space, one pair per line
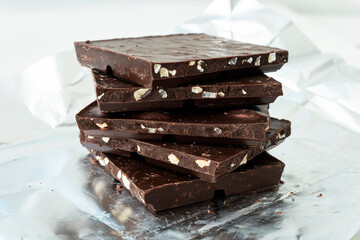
176, 59
116, 95
203, 161
159, 189
235, 126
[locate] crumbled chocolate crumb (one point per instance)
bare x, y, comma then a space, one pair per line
119, 188
320, 195
93, 162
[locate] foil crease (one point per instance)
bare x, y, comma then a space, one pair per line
49, 190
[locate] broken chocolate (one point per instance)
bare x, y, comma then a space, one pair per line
229, 126
159, 189
173, 60
207, 162
116, 95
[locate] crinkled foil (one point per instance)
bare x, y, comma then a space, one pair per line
49, 190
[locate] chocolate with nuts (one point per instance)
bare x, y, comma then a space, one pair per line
159, 189
222, 126
117, 95
176, 59
207, 162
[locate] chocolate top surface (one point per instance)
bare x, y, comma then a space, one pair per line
180, 47
216, 116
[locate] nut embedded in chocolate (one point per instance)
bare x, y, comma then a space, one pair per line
272, 57
141, 93
196, 89
202, 163
173, 159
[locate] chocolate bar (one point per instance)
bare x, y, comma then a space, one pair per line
234, 126
159, 189
173, 60
203, 161
117, 95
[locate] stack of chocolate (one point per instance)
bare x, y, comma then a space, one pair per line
180, 117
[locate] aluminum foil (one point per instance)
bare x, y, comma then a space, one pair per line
50, 191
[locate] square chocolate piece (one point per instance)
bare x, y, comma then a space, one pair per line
218, 126
159, 189
172, 60
117, 95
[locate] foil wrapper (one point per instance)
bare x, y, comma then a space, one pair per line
49, 190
